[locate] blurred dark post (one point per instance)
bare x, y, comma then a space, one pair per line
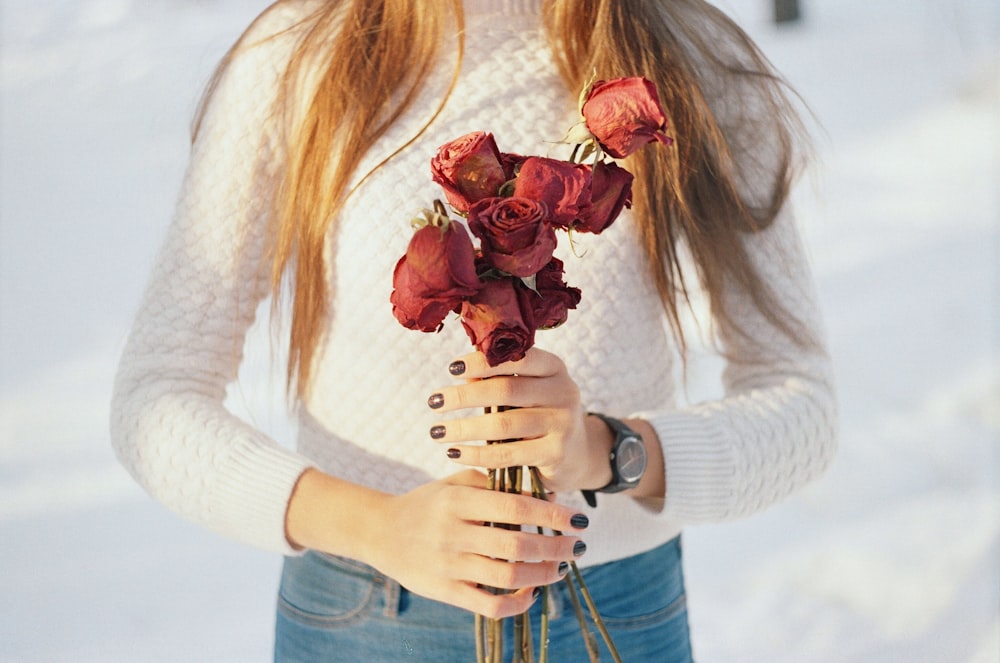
786, 11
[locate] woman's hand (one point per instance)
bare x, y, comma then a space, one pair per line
433, 541
548, 425
435, 544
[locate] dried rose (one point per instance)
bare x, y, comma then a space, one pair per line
552, 298
515, 236
610, 191
512, 163
433, 277
624, 114
564, 187
498, 320
469, 169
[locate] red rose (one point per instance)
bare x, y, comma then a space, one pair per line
437, 272
469, 169
553, 298
514, 233
564, 187
498, 320
610, 191
624, 114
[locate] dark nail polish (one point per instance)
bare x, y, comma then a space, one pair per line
579, 521
454, 453
436, 401
579, 548
456, 367
437, 432
535, 593
563, 568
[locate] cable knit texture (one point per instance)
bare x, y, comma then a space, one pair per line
367, 419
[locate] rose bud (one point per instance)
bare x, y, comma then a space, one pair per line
552, 298
512, 163
624, 114
514, 233
564, 187
498, 320
468, 169
433, 277
610, 192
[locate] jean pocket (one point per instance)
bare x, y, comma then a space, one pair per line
318, 591
642, 617
641, 591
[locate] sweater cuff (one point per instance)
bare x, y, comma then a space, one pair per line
255, 491
698, 464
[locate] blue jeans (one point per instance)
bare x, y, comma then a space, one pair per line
333, 609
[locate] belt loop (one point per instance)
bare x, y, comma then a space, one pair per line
391, 598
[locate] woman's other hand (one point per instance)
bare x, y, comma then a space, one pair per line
433, 541
545, 423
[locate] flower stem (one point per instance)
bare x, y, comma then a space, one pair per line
537, 489
480, 640
588, 637
543, 652
594, 614
527, 646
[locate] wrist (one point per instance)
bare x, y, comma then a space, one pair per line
322, 515
628, 459
600, 441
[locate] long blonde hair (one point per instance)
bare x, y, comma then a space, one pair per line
373, 56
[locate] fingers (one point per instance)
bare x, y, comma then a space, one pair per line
490, 604
455, 558
479, 505
495, 557
515, 424
536, 363
534, 437
469, 478
509, 391
514, 545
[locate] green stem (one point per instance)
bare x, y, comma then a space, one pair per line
497, 648
594, 614
588, 637
518, 637
543, 653
480, 640
527, 646
536, 488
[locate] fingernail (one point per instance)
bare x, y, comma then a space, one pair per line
456, 367
437, 432
454, 453
579, 548
579, 521
563, 568
436, 401
535, 593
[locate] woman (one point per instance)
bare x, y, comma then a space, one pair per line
310, 156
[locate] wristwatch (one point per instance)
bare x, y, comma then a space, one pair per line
628, 459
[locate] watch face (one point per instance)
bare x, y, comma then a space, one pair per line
631, 459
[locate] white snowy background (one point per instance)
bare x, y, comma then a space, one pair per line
893, 556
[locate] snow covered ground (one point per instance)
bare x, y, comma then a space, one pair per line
892, 557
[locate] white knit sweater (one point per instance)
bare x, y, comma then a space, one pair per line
367, 418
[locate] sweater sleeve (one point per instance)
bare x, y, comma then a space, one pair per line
168, 424
774, 429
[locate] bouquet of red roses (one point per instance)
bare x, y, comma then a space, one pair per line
512, 285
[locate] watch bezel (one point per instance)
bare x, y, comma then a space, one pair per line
629, 439
623, 434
